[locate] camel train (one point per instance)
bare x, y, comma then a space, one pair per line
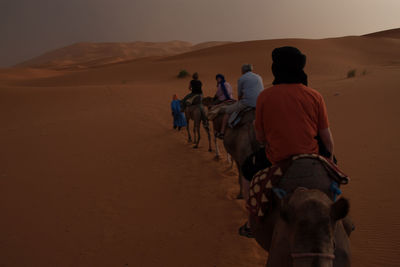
307, 219
294, 210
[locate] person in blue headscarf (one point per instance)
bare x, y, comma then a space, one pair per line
224, 89
179, 119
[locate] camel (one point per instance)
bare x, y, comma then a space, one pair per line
276, 231
210, 102
193, 112
240, 142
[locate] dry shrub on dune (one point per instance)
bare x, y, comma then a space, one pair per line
183, 74
351, 73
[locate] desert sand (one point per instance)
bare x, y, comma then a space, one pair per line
92, 174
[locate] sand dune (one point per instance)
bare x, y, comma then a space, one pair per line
92, 174
84, 55
393, 33
16, 74
327, 59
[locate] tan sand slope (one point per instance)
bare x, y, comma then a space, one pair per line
84, 55
92, 174
16, 74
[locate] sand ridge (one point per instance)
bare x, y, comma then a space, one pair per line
392, 33
86, 55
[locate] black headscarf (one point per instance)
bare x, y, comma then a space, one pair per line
287, 65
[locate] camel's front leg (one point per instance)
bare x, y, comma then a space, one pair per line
195, 135
240, 195
209, 139
217, 153
188, 131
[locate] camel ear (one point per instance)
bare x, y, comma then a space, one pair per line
340, 209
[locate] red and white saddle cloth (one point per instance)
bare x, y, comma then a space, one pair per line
265, 180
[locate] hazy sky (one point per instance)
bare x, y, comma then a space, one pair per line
31, 27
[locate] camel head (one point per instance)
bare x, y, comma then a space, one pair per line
311, 217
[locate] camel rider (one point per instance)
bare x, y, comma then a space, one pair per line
195, 86
250, 86
290, 115
224, 89
223, 96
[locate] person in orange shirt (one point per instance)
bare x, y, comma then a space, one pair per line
290, 116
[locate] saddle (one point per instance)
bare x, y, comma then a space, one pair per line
194, 100
215, 110
269, 183
242, 117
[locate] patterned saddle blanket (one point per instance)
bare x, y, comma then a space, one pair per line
265, 183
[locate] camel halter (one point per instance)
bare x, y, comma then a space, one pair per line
309, 255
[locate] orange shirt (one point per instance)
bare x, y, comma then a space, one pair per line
288, 117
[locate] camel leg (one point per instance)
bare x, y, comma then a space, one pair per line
240, 195
264, 229
209, 139
279, 252
216, 146
188, 131
196, 134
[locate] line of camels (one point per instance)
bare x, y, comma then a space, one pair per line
305, 228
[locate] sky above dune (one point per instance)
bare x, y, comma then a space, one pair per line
31, 27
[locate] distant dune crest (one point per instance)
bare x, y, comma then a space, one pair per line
393, 33
86, 55
89, 55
